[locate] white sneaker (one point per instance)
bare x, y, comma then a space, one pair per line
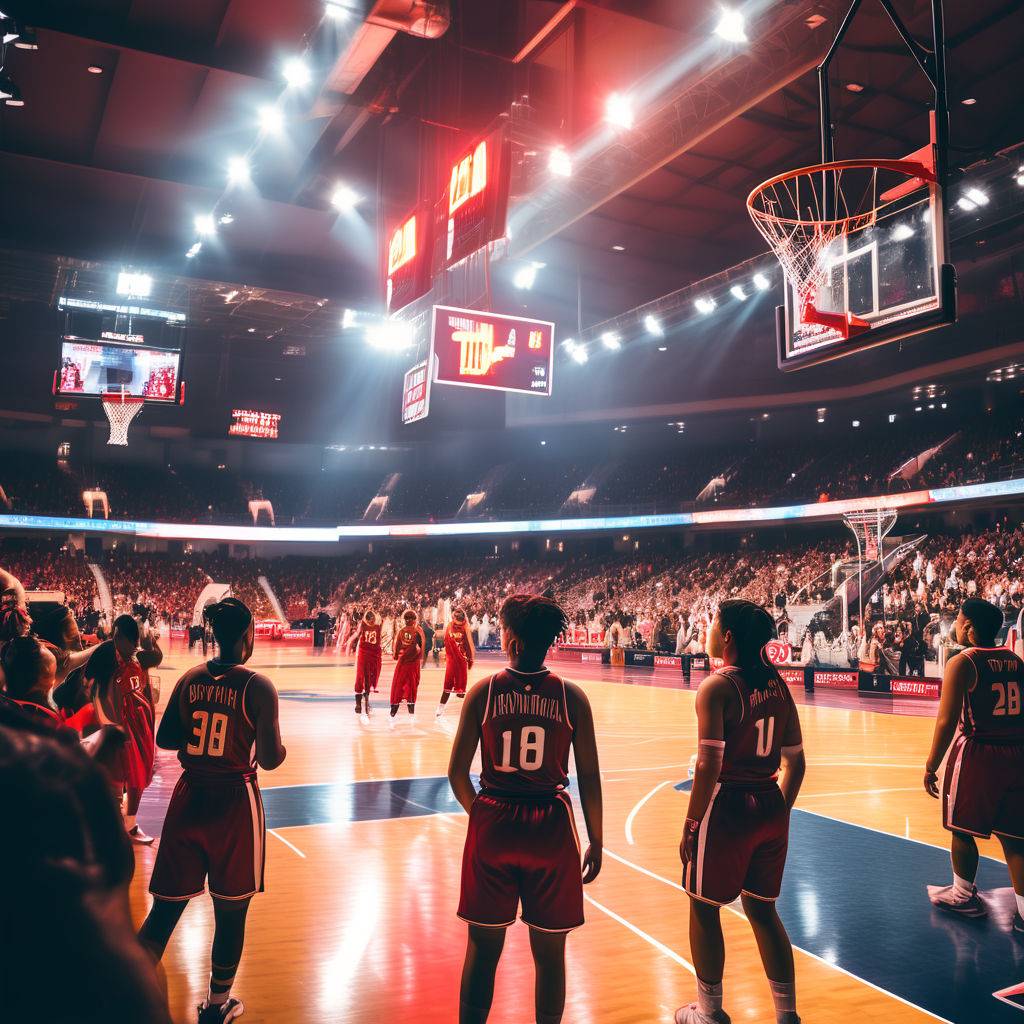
692, 1014
136, 835
391, 722
946, 897
439, 713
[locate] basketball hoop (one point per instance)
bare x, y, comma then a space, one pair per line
805, 214
121, 408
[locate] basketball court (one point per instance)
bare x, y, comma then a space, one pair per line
365, 845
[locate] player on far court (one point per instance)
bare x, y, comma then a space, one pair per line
737, 823
222, 720
408, 651
458, 658
522, 845
368, 660
983, 787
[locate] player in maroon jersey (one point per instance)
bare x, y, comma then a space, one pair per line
408, 651
368, 660
521, 845
458, 658
222, 720
983, 787
737, 824
122, 696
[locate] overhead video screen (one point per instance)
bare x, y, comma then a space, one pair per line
407, 260
251, 423
490, 350
96, 368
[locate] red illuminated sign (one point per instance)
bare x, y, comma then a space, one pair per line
249, 423
477, 200
835, 680
915, 688
792, 676
416, 394
778, 652
491, 350
406, 263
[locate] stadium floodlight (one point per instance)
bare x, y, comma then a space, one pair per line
271, 119
1019, 177
193, 250
731, 26
902, 232
239, 171
390, 335
348, 319
296, 73
663, 348
618, 111
526, 276
611, 341
135, 286
560, 163
761, 283
336, 10
653, 326
821, 413
204, 224
737, 292
226, 218
344, 199
705, 305
579, 354
976, 196
965, 204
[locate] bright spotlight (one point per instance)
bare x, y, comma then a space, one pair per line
348, 319
761, 283
1019, 177
336, 10
296, 72
579, 354
965, 204
271, 119
653, 326
560, 163
618, 111
705, 305
226, 218
611, 341
344, 199
193, 250
976, 196
205, 225
390, 335
135, 286
731, 27
525, 277
239, 171
738, 293
902, 232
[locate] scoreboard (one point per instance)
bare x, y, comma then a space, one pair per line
477, 197
252, 423
472, 349
407, 260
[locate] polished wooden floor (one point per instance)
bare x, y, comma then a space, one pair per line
358, 921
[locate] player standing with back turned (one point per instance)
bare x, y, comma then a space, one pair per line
737, 824
222, 719
522, 845
983, 788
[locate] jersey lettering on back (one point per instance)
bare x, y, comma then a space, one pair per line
405, 649
455, 641
992, 709
525, 735
369, 637
220, 740
753, 747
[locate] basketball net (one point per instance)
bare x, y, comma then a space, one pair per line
121, 408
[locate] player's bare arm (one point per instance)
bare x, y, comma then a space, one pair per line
793, 760
957, 679
170, 734
261, 697
588, 776
712, 706
467, 739
13, 584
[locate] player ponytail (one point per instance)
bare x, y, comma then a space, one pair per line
752, 628
229, 619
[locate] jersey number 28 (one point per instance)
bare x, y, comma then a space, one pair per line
208, 734
531, 750
1007, 699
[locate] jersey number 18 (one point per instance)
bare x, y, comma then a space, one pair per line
531, 750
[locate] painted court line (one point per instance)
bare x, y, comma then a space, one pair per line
291, 846
636, 808
862, 792
740, 914
649, 939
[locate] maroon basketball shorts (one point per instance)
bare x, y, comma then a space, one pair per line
406, 681
741, 846
213, 830
456, 675
522, 850
367, 672
983, 789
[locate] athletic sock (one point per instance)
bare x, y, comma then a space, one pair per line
709, 998
1020, 903
962, 887
784, 997
221, 980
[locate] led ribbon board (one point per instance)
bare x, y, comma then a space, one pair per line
476, 201
407, 260
493, 351
250, 423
